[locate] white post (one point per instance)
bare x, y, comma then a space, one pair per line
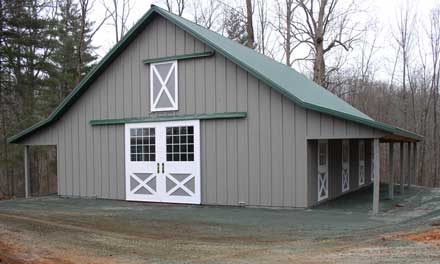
27, 174
391, 171
402, 180
376, 190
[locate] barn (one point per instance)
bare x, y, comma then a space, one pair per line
176, 113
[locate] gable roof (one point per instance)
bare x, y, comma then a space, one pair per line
278, 76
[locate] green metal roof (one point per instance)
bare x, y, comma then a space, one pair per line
278, 76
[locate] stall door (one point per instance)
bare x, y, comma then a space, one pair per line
163, 162
322, 169
345, 165
361, 162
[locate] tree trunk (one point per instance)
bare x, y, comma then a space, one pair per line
319, 64
84, 6
249, 25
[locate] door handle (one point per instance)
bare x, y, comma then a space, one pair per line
158, 168
163, 167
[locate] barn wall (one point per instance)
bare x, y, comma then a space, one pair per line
335, 168
259, 160
322, 126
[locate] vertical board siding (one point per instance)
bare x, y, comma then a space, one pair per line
312, 164
254, 140
242, 138
276, 149
259, 160
322, 126
288, 147
265, 145
300, 147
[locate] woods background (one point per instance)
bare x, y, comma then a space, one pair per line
46, 47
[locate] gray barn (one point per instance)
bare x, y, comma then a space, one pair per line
177, 113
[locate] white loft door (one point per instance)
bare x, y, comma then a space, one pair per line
175, 170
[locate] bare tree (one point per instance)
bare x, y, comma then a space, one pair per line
119, 11
265, 44
434, 41
179, 5
206, 15
323, 25
284, 15
404, 39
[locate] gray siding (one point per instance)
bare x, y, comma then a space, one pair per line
335, 168
322, 126
260, 160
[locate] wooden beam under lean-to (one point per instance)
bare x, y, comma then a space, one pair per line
402, 180
415, 163
409, 170
27, 172
376, 172
391, 170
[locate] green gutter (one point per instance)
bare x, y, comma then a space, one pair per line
180, 57
228, 115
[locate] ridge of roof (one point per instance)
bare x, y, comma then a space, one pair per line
276, 75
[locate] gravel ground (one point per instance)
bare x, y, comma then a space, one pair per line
61, 230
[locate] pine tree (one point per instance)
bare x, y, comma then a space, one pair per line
28, 43
68, 49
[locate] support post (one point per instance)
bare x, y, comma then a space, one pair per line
415, 163
27, 172
402, 180
376, 171
409, 171
391, 170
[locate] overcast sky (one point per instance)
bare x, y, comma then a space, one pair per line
385, 12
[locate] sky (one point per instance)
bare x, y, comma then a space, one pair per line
384, 12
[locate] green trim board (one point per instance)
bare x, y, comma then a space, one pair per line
229, 115
180, 57
278, 76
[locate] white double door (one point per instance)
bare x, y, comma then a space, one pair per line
162, 161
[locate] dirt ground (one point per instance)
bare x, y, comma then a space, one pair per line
61, 230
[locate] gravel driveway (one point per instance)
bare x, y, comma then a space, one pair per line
62, 230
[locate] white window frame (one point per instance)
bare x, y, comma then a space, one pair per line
322, 183
154, 101
345, 166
